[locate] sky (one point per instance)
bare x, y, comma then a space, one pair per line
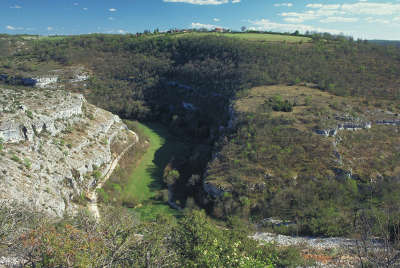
365, 19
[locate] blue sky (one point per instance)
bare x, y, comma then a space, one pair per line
367, 19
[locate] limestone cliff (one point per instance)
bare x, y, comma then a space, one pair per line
54, 147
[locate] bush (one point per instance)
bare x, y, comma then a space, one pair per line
102, 196
279, 105
129, 201
29, 114
15, 158
27, 163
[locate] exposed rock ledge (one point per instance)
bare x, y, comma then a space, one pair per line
55, 148
331, 132
310, 242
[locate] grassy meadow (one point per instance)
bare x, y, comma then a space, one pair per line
138, 182
256, 37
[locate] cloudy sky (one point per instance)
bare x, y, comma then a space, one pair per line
366, 19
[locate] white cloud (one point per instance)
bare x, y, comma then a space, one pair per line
338, 19
112, 9
345, 13
15, 6
362, 7
367, 8
283, 5
267, 25
377, 20
111, 18
235, 1
50, 28
216, 19
202, 2
13, 28
296, 17
76, 4
201, 25
121, 31
85, 8
323, 6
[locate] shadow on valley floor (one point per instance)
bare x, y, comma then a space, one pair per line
163, 148
171, 147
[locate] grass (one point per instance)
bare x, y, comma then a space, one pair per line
146, 180
268, 37
143, 183
257, 37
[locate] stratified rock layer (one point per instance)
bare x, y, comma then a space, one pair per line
55, 148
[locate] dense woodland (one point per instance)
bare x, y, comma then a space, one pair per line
148, 78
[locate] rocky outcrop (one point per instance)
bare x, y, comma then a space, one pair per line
331, 132
310, 242
392, 122
212, 190
56, 147
189, 106
46, 81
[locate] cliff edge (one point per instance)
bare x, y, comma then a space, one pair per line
55, 148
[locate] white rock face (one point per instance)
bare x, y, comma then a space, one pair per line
309, 242
55, 148
80, 78
46, 81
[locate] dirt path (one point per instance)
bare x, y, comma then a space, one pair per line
93, 206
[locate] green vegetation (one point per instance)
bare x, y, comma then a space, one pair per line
120, 240
29, 114
27, 163
259, 37
279, 105
143, 185
274, 160
269, 37
15, 158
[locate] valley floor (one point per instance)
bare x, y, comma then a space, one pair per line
144, 182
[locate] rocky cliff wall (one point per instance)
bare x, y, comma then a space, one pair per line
55, 148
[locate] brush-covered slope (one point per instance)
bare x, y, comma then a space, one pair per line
296, 151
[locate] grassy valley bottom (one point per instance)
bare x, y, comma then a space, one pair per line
138, 181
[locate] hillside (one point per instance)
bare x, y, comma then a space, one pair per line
291, 140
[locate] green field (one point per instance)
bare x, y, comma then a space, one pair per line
268, 37
146, 179
257, 37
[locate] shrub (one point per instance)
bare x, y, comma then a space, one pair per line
129, 201
15, 158
279, 105
102, 195
29, 114
97, 175
27, 163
